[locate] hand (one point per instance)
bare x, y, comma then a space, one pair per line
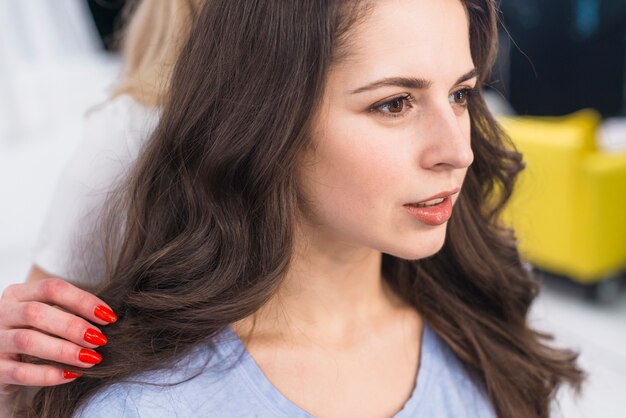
48, 319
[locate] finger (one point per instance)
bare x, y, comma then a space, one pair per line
53, 321
36, 344
66, 295
26, 374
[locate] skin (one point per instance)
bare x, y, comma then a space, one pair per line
334, 314
45, 317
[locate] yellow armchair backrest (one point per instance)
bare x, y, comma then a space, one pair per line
560, 204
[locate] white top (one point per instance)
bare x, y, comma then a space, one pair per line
228, 383
113, 135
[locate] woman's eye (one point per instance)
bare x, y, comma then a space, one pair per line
460, 97
395, 106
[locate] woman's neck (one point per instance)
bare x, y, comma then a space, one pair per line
332, 292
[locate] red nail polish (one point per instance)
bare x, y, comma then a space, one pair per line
94, 336
70, 375
105, 314
89, 356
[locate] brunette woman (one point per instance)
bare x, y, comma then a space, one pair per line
313, 228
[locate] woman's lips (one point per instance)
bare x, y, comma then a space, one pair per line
432, 215
435, 210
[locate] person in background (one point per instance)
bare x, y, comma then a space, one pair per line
51, 316
312, 229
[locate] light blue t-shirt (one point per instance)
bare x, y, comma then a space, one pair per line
443, 388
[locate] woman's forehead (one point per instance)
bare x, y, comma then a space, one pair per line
419, 38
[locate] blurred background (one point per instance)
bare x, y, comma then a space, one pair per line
558, 88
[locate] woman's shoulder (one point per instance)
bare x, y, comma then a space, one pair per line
113, 134
119, 124
122, 108
207, 382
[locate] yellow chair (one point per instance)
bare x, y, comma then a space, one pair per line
569, 206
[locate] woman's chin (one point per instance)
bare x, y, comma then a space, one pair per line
424, 245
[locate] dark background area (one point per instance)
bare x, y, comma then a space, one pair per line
107, 15
563, 55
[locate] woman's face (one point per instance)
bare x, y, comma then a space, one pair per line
393, 130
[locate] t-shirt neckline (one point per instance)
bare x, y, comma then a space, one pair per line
274, 400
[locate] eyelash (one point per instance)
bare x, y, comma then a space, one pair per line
468, 92
409, 99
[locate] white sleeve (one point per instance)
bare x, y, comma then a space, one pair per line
113, 135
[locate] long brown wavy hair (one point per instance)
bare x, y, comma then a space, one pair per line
210, 211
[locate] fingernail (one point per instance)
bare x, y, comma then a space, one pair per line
70, 375
94, 336
89, 356
105, 314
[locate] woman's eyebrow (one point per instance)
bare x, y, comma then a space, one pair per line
410, 82
467, 76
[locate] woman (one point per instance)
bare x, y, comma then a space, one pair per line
113, 135
296, 239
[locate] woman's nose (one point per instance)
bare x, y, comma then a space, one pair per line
448, 140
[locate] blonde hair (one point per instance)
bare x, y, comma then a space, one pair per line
151, 44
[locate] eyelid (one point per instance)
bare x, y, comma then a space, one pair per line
473, 88
471, 83
406, 97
